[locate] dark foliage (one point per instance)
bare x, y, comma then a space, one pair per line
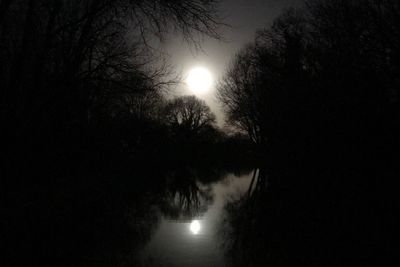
318, 92
81, 109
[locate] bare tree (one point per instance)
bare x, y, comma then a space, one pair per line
61, 55
189, 113
264, 77
238, 93
250, 91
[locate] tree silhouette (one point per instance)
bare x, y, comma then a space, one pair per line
263, 78
189, 114
318, 94
79, 98
62, 56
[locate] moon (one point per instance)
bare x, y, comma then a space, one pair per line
199, 80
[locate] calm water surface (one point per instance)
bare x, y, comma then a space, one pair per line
192, 237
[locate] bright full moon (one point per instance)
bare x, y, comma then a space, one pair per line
199, 80
195, 227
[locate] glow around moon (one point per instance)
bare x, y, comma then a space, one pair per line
199, 80
195, 227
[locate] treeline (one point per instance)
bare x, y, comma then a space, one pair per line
318, 92
80, 80
86, 128
175, 132
320, 87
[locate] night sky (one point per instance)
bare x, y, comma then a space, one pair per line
244, 18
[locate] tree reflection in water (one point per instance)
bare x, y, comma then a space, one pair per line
135, 215
185, 197
246, 232
107, 221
